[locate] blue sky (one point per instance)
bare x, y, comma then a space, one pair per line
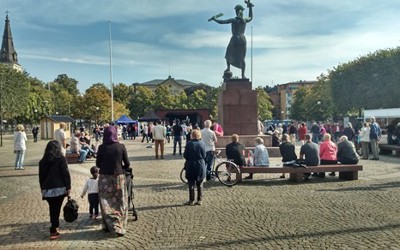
152, 39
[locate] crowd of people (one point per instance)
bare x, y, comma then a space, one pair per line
106, 187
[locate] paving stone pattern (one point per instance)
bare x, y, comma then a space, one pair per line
264, 213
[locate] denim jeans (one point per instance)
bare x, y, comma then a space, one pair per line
178, 139
19, 158
209, 162
82, 154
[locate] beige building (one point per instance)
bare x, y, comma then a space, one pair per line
49, 124
283, 97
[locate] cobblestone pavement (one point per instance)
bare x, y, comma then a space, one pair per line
264, 213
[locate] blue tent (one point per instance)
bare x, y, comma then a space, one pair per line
125, 120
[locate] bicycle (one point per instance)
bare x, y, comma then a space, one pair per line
226, 171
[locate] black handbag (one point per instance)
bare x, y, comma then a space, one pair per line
71, 210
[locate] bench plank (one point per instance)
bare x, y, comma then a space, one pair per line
385, 149
72, 158
346, 171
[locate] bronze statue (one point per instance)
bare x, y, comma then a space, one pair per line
236, 50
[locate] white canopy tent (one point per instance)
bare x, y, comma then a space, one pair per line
382, 113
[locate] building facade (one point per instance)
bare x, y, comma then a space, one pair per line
283, 97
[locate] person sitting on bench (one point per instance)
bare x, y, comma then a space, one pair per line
327, 154
309, 152
288, 153
260, 156
346, 153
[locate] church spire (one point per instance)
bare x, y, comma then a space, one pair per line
8, 53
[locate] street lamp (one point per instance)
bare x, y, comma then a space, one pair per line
97, 115
45, 113
318, 110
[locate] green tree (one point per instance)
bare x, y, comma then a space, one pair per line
123, 93
299, 108
163, 99
14, 93
66, 83
367, 82
264, 104
141, 102
198, 100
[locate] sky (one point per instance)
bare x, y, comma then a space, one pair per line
287, 40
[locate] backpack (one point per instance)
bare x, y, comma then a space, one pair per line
71, 210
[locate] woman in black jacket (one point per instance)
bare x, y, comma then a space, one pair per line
112, 160
195, 154
55, 183
288, 153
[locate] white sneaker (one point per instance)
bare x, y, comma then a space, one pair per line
21, 168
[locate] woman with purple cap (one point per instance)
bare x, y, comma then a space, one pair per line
112, 160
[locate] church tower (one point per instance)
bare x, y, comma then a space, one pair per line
8, 55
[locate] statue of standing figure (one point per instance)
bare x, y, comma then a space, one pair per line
236, 50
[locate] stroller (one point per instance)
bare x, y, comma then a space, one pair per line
129, 185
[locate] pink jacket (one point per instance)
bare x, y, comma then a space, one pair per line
328, 151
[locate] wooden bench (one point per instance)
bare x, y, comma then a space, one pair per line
72, 158
272, 151
385, 149
346, 172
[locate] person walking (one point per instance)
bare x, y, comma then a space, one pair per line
35, 132
20, 140
195, 155
55, 183
302, 132
375, 134
177, 133
92, 188
145, 133
112, 159
159, 133
60, 136
364, 138
209, 138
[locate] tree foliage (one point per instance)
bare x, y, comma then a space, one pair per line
368, 82
14, 93
264, 105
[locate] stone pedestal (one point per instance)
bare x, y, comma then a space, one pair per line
237, 107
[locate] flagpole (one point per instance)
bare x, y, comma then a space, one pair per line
111, 76
251, 54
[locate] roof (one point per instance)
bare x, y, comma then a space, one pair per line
157, 82
60, 118
8, 53
151, 116
382, 113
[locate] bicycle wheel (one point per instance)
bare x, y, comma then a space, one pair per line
183, 175
227, 173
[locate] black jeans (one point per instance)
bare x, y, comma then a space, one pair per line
55, 204
93, 204
199, 185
